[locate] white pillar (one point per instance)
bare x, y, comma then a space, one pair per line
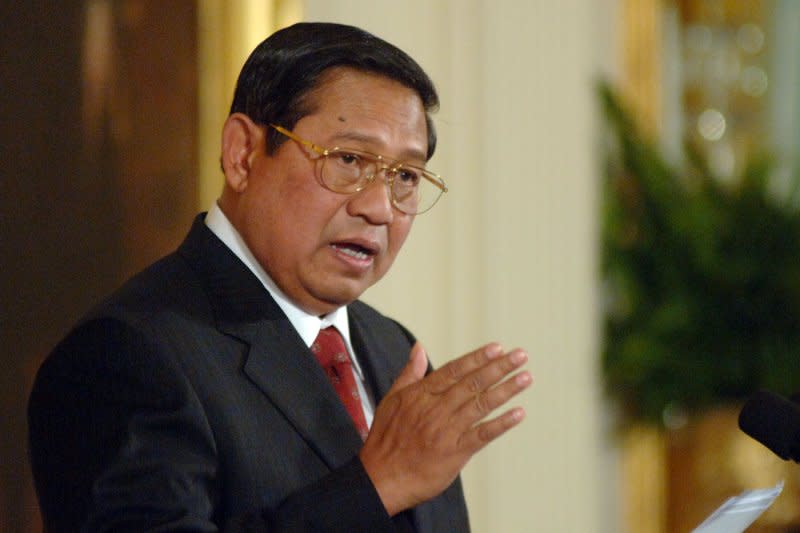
510, 254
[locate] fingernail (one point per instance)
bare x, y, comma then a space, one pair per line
493, 351
518, 357
523, 379
518, 414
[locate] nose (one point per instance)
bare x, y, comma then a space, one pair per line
373, 202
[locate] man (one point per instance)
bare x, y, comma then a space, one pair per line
195, 398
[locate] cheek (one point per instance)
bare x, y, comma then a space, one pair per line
302, 207
280, 221
310, 219
398, 233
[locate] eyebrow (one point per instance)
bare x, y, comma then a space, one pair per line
411, 154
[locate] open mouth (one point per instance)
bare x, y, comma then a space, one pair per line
353, 250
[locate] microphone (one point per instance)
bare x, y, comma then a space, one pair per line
774, 422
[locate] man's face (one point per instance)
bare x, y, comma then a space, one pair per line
322, 248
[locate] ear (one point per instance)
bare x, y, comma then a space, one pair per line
241, 140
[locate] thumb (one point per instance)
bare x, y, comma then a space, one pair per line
414, 370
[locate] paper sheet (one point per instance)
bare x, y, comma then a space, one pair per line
737, 513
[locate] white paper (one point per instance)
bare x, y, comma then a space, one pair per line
736, 514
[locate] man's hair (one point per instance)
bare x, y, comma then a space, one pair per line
284, 70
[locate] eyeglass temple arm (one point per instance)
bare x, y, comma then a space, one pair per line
320, 150
436, 180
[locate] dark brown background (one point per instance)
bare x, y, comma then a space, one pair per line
87, 197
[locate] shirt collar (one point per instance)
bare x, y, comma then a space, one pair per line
307, 325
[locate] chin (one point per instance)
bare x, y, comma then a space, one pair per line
343, 294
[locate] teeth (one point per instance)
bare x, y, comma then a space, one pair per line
352, 253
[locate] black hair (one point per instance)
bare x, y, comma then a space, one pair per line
287, 66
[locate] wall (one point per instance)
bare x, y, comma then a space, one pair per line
510, 253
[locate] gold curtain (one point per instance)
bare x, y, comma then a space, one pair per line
228, 30
641, 49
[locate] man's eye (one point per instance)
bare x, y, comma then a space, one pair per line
348, 159
408, 177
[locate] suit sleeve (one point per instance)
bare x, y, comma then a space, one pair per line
119, 442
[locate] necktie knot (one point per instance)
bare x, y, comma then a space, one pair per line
329, 348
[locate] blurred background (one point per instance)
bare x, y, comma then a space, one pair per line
624, 204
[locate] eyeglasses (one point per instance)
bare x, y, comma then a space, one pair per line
414, 190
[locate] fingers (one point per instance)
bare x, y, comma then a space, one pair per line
427, 428
484, 402
482, 378
454, 371
483, 391
419, 360
472, 390
414, 369
476, 384
484, 433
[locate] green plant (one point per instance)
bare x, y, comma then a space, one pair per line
702, 279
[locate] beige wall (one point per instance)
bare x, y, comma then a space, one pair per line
510, 253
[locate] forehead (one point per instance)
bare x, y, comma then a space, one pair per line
341, 79
348, 103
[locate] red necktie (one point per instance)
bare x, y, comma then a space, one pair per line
334, 360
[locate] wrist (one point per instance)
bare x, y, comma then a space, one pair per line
389, 490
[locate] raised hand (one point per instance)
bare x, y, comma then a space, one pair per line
428, 427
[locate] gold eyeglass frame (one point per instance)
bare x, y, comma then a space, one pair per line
389, 165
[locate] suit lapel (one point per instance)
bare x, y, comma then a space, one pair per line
278, 362
287, 372
385, 354
382, 366
383, 362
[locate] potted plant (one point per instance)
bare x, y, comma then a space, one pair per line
702, 307
702, 279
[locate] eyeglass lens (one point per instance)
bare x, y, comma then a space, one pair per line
349, 172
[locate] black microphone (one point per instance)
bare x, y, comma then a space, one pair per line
774, 422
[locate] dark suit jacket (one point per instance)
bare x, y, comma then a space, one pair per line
188, 402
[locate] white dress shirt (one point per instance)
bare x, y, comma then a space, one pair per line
308, 326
